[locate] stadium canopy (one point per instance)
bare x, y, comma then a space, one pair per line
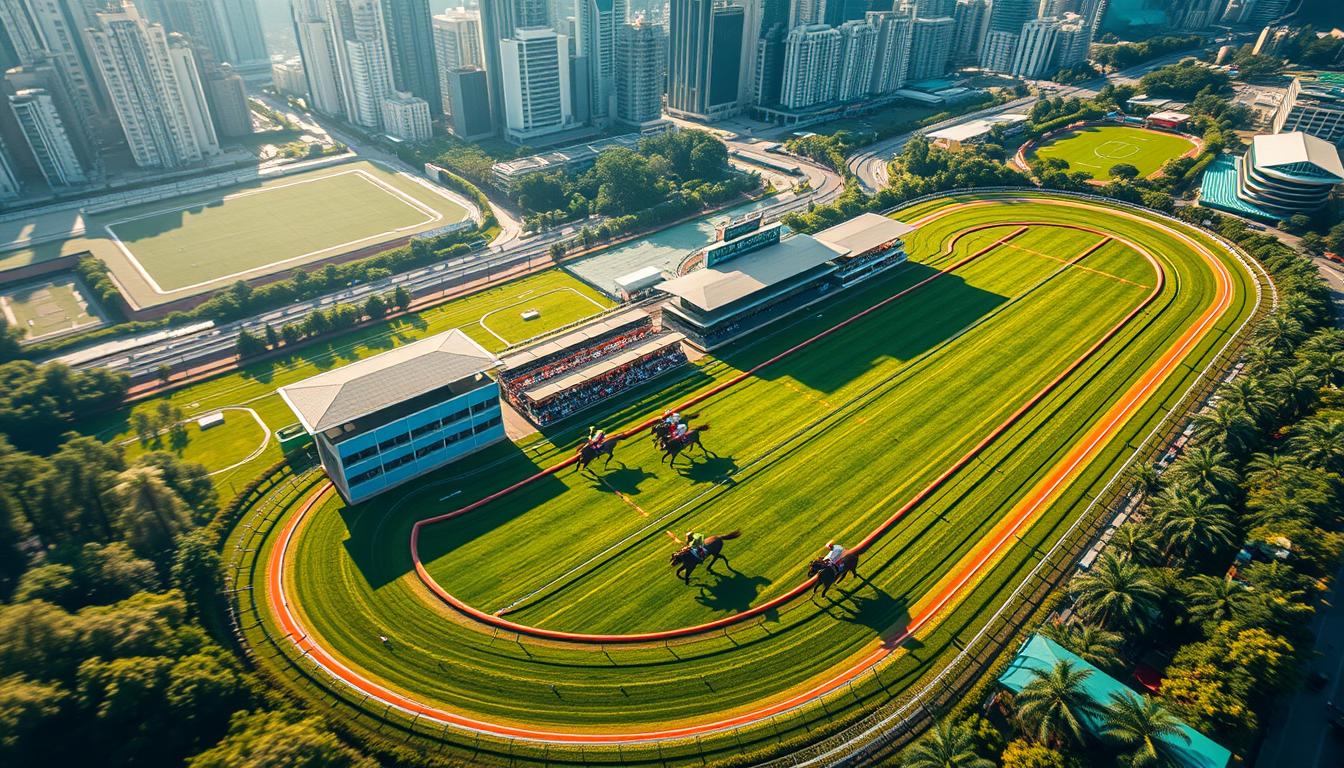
1040, 654
555, 345
390, 378
563, 383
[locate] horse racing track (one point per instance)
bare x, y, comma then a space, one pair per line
949, 421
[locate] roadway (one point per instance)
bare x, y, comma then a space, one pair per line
189, 347
870, 165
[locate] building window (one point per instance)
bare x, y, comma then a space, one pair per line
358, 456
392, 442
481, 407
364, 477
425, 450
424, 429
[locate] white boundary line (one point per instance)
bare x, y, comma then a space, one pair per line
506, 342
431, 214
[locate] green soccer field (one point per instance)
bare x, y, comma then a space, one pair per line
824, 444
1094, 150
49, 307
278, 224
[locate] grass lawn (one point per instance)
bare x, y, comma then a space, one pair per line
49, 307
821, 445
186, 245
255, 385
217, 448
1094, 150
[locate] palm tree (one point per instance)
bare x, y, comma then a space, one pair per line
1215, 599
1147, 479
1136, 542
1098, 647
945, 747
1280, 332
1320, 443
1207, 468
1053, 705
1323, 341
1270, 468
1193, 525
1245, 392
1296, 387
1328, 366
1144, 728
1226, 424
1115, 593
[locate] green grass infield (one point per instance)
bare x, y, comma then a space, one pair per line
1096, 149
822, 445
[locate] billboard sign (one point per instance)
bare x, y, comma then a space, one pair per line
721, 252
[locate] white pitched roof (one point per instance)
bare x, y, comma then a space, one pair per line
715, 287
342, 394
1297, 147
865, 231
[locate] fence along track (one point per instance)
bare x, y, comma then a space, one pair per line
888, 728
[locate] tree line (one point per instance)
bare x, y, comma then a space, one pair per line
1219, 570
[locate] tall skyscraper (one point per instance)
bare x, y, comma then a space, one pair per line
1002, 28
47, 138
410, 37
155, 89
499, 20
769, 74
891, 55
227, 97
930, 47
854, 75
537, 98
1072, 41
811, 63
640, 67
360, 42
469, 92
321, 69
50, 29
596, 42
968, 20
1036, 48
806, 12
711, 54
407, 117
9, 182
47, 77
247, 43
457, 44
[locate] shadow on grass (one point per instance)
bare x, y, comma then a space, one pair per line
901, 330
379, 528
729, 591
866, 605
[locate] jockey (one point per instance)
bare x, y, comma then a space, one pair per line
673, 419
834, 552
680, 432
596, 437
696, 541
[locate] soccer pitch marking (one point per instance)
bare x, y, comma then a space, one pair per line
528, 299
1116, 154
431, 216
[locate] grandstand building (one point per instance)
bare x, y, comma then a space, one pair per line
386, 419
564, 375
1280, 175
753, 275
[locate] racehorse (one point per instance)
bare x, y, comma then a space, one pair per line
686, 561
661, 430
588, 452
828, 574
672, 447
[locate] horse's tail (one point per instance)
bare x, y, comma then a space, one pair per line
730, 536
703, 428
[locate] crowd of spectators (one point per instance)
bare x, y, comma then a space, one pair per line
515, 382
595, 390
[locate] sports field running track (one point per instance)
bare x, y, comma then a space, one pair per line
963, 575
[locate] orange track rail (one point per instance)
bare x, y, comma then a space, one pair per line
988, 549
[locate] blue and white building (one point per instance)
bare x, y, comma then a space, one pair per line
390, 418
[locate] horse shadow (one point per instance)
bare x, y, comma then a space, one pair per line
710, 468
733, 592
624, 479
871, 607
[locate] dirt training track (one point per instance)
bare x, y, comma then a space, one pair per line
963, 575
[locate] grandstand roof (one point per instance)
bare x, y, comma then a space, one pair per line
343, 394
713, 288
1169, 115
1279, 149
558, 344
864, 232
552, 387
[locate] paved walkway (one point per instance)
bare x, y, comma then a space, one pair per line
1299, 736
